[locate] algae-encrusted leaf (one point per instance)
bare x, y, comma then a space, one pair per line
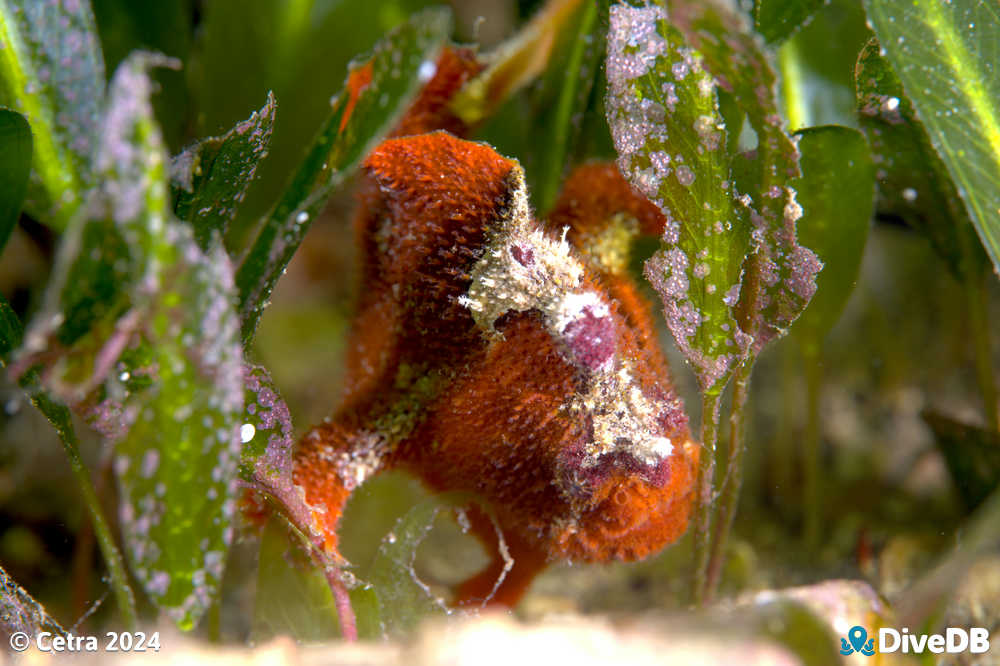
781, 273
211, 177
130, 281
671, 141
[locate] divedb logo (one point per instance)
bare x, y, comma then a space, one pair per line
954, 639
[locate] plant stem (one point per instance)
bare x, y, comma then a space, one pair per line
810, 473
733, 478
331, 570
60, 418
975, 293
782, 449
345, 611
703, 493
83, 549
112, 557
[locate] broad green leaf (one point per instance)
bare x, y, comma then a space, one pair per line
372, 512
211, 177
972, 455
361, 116
562, 97
177, 464
777, 20
293, 598
15, 166
105, 265
404, 600
367, 613
913, 181
837, 191
946, 56
671, 142
130, 276
51, 71
780, 273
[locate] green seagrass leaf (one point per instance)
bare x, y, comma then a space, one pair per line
52, 72
133, 294
780, 273
913, 181
836, 190
946, 56
15, 167
379, 89
211, 178
671, 142
777, 20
